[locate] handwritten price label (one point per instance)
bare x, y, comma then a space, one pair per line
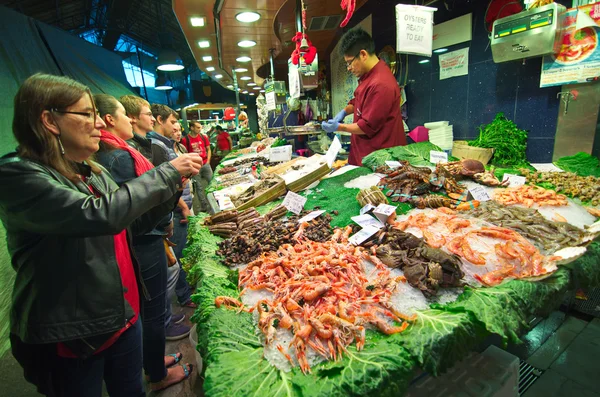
333, 151
366, 209
438, 157
281, 153
393, 164
514, 180
363, 235
367, 220
479, 193
294, 202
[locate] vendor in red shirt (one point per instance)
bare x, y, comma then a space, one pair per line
196, 142
224, 142
376, 105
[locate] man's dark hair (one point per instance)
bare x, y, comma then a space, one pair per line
163, 111
355, 40
193, 123
219, 128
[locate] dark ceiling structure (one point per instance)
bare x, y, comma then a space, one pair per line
149, 24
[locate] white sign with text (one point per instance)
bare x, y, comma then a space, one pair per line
294, 202
514, 180
363, 235
310, 216
414, 29
366, 220
333, 151
438, 157
479, 193
280, 153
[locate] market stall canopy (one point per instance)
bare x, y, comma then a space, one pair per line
221, 33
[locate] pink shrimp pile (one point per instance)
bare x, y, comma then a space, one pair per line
320, 292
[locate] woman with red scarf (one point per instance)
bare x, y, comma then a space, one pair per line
124, 164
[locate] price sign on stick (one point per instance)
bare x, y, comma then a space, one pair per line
294, 202
438, 157
514, 180
479, 193
393, 164
383, 212
363, 235
367, 208
280, 153
333, 151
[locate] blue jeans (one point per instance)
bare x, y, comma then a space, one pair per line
150, 252
182, 289
120, 366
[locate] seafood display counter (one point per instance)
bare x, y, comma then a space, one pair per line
332, 302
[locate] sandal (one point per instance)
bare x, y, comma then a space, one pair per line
163, 384
177, 356
190, 304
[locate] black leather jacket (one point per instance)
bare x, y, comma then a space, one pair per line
60, 238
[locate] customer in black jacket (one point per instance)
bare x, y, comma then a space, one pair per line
68, 225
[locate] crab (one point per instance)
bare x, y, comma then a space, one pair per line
465, 167
489, 179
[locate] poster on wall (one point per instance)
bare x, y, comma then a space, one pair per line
414, 29
579, 58
343, 83
455, 63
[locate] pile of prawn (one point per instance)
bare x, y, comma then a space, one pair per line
490, 253
322, 294
529, 195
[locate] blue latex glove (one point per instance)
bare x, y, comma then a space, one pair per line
330, 126
340, 116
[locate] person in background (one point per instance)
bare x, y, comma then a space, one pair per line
166, 122
224, 142
76, 298
377, 122
196, 142
150, 251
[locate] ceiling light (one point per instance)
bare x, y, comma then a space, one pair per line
251, 84
440, 50
256, 88
244, 92
262, 91
243, 59
230, 86
247, 43
207, 58
241, 70
424, 61
169, 61
241, 104
162, 84
218, 76
245, 78
204, 43
251, 93
210, 69
197, 21
248, 16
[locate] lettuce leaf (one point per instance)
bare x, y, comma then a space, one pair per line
416, 153
382, 368
507, 308
438, 339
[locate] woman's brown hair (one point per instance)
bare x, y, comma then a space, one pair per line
38, 93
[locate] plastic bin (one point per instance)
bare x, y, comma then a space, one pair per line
493, 373
194, 342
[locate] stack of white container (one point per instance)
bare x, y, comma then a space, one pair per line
440, 134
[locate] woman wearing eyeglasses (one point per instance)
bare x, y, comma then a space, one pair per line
377, 122
76, 298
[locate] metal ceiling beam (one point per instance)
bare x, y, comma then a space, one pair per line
117, 22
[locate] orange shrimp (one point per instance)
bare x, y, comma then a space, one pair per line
231, 303
432, 240
322, 330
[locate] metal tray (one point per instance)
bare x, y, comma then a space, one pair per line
303, 130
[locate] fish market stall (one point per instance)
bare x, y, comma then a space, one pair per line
332, 301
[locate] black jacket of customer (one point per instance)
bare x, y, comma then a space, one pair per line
49, 221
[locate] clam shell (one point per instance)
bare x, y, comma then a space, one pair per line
594, 228
569, 254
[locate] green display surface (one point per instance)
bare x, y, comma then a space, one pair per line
441, 335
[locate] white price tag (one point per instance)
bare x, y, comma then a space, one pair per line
310, 216
270, 100
280, 153
363, 235
366, 209
333, 151
294, 202
479, 193
225, 203
548, 167
383, 212
393, 164
438, 157
367, 220
514, 180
